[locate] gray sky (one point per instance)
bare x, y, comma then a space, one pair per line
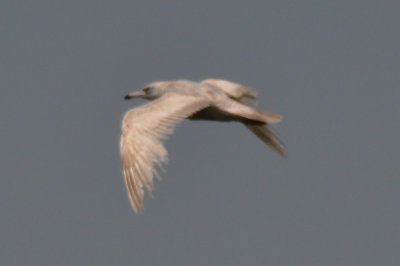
331, 68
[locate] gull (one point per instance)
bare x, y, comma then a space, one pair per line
144, 127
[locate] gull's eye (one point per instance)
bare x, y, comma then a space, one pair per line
146, 89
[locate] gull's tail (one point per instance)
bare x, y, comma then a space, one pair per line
269, 137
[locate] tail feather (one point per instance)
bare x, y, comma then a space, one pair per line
268, 137
271, 118
238, 109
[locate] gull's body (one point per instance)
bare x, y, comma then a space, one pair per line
144, 127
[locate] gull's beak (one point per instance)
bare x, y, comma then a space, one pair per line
137, 94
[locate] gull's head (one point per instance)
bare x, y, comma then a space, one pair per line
150, 92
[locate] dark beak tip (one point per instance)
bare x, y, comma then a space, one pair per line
127, 97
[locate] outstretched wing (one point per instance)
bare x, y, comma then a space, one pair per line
143, 130
243, 95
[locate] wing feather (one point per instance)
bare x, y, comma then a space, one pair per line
243, 107
143, 130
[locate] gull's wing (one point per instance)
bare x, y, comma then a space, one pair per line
233, 90
269, 137
243, 108
143, 129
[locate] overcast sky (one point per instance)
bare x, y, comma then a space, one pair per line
331, 68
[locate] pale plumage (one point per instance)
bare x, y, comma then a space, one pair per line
144, 127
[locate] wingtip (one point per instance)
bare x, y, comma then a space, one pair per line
282, 152
137, 207
269, 137
137, 211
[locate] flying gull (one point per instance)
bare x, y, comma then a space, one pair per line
144, 127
